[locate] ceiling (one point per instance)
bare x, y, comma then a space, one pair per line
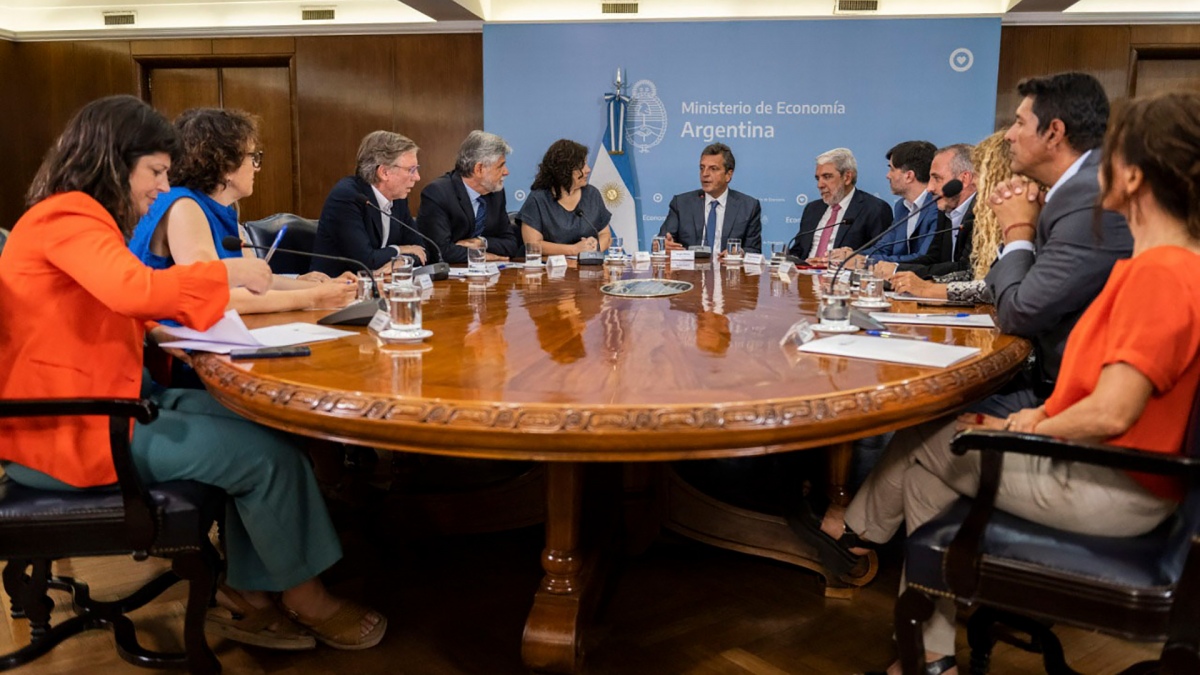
67, 19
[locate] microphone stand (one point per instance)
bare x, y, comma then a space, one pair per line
436, 271
589, 257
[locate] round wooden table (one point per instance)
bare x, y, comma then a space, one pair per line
544, 366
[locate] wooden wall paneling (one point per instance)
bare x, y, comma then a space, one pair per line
11, 188
266, 92
256, 45
173, 90
343, 92
1159, 75
439, 97
171, 47
1165, 34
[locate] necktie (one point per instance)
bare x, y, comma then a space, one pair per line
480, 215
827, 233
710, 227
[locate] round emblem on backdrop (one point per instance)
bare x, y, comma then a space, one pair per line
613, 195
519, 195
658, 197
801, 199
961, 60
646, 121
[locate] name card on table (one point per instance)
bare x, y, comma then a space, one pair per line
380, 321
752, 259
492, 268
556, 261
683, 256
423, 281
641, 256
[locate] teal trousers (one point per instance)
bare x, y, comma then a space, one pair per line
277, 530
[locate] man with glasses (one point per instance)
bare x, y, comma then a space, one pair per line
363, 213
466, 207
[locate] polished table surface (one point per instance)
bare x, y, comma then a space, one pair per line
545, 366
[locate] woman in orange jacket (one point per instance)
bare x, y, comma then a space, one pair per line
75, 303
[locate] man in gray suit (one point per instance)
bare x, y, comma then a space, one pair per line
1054, 260
714, 214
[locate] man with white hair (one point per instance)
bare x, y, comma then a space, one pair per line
845, 217
466, 208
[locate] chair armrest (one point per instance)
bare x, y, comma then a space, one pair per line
1128, 459
140, 525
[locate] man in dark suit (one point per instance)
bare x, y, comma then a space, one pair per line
714, 214
950, 250
354, 221
908, 178
466, 207
1054, 262
845, 217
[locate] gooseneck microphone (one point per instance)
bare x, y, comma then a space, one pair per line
800, 259
357, 314
589, 257
436, 271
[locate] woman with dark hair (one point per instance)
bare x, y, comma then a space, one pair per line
562, 211
219, 158
1128, 377
76, 304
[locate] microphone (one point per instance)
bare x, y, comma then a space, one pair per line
358, 314
800, 260
589, 257
436, 271
950, 189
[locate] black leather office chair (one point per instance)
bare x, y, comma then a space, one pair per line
169, 520
1024, 577
300, 236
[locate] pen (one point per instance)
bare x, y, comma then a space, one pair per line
888, 334
960, 315
275, 244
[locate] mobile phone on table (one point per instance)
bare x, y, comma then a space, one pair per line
269, 352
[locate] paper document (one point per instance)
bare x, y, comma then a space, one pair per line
910, 352
961, 319
939, 302
231, 333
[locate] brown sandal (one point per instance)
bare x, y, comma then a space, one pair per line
258, 626
342, 630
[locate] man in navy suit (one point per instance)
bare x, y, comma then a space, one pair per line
466, 207
845, 217
908, 177
354, 221
714, 214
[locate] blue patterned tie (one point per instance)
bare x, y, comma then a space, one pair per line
710, 227
480, 215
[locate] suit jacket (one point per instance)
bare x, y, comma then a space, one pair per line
1041, 296
447, 215
75, 303
940, 259
743, 220
896, 245
351, 229
868, 216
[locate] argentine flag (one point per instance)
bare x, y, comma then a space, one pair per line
612, 174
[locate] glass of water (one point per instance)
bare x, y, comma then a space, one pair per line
733, 250
658, 247
533, 254
404, 308
477, 260
366, 286
616, 248
777, 252
834, 309
402, 269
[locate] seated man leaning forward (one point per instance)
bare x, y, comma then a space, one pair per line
714, 214
466, 208
845, 217
366, 215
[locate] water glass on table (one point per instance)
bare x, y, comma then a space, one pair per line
658, 247
733, 250
834, 309
616, 248
533, 254
777, 252
477, 260
402, 269
404, 307
366, 285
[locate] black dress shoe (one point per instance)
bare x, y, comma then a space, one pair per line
934, 668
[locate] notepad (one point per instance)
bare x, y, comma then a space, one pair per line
909, 352
231, 333
947, 319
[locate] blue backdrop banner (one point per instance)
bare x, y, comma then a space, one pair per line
779, 93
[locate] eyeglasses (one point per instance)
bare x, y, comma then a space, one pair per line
256, 158
412, 170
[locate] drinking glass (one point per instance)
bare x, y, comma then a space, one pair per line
365, 285
616, 248
402, 269
835, 305
404, 307
733, 250
658, 247
533, 254
476, 260
777, 252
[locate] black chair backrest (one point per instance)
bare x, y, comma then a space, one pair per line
1189, 522
300, 236
3, 238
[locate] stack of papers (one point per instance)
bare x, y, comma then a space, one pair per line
231, 333
910, 352
962, 320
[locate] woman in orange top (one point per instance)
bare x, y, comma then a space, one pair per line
1129, 373
75, 304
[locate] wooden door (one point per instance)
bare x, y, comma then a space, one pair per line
264, 91
1155, 75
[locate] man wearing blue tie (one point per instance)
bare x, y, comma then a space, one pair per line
466, 208
908, 177
714, 214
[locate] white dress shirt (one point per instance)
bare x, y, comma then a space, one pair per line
812, 253
385, 205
